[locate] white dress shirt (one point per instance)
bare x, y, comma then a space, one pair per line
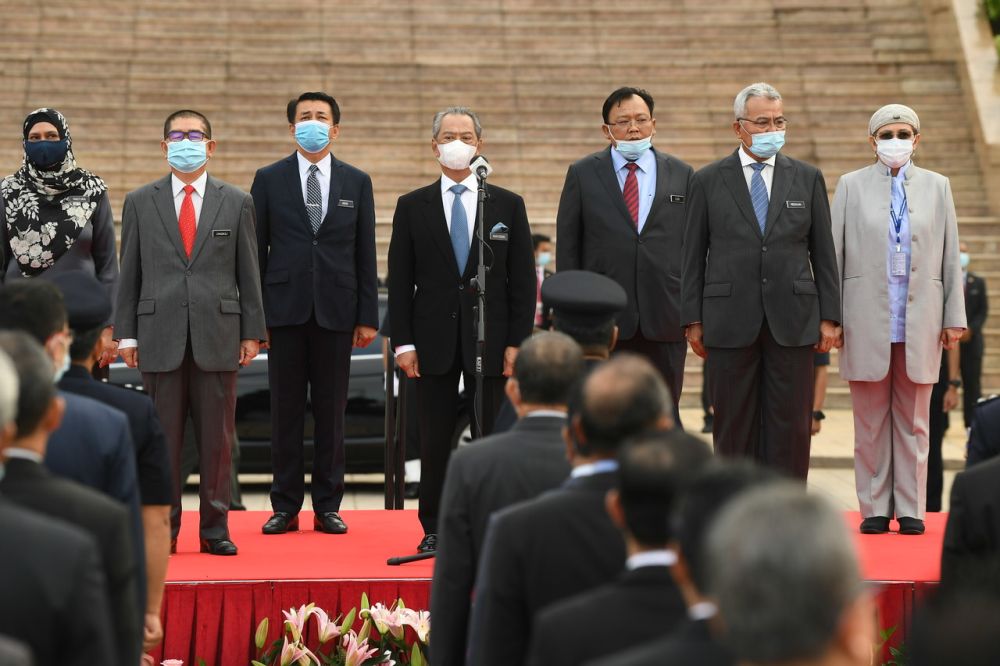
767, 173
325, 167
197, 198
651, 558
448, 200
26, 454
468, 200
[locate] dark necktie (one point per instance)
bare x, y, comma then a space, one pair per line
459, 228
631, 192
758, 195
314, 199
186, 220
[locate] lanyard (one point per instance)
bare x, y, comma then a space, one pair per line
897, 218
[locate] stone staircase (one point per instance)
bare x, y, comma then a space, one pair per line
536, 70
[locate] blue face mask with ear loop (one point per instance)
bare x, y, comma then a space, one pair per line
312, 135
46, 154
766, 144
187, 156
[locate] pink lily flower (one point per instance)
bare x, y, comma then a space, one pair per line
296, 653
295, 620
419, 620
387, 620
356, 652
328, 630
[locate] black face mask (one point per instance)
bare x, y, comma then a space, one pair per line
46, 154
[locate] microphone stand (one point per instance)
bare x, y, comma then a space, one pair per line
479, 311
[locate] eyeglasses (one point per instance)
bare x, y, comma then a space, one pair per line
192, 135
624, 125
763, 124
903, 134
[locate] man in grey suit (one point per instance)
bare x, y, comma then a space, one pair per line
498, 471
189, 302
622, 214
760, 289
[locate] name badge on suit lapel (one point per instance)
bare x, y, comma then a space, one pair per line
223, 233
795, 204
345, 203
677, 198
499, 232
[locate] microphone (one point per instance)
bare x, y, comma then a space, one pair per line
481, 167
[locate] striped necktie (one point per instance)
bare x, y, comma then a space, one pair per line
758, 195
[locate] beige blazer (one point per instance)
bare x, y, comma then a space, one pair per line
935, 299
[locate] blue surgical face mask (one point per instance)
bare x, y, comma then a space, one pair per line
543, 259
187, 156
63, 368
964, 259
46, 154
633, 150
767, 144
312, 135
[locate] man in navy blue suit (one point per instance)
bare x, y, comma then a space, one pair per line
316, 244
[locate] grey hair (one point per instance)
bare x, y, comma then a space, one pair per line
782, 569
456, 111
8, 390
759, 89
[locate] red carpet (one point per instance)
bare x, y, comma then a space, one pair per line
213, 604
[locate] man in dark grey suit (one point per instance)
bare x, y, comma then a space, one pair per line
189, 302
622, 214
760, 287
563, 542
496, 472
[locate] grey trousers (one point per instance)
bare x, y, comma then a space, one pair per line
891, 442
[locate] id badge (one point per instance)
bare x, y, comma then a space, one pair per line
898, 263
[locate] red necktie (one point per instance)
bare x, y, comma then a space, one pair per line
631, 192
186, 220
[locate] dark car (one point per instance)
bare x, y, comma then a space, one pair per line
364, 427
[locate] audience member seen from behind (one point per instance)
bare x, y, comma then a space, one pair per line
644, 601
693, 642
54, 593
498, 471
956, 628
903, 303
563, 543
27, 483
56, 216
783, 572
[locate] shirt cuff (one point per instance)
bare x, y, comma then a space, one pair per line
402, 349
127, 343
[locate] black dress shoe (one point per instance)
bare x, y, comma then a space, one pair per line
173, 546
428, 544
218, 547
910, 525
280, 522
329, 522
875, 525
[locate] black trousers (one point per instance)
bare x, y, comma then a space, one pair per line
308, 361
937, 427
667, 357
762, 396
209, 399
972, 371
437, 417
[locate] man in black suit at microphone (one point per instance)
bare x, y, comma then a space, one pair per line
432, 258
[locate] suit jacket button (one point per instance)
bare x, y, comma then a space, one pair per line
188, 273
315, 242
184, 304
764, 281
763, 248
454, 315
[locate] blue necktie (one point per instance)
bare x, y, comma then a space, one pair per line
459, 228
758, 195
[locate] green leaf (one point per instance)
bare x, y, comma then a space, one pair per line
416, 656
257, 663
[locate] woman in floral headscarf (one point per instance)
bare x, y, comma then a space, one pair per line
56, 216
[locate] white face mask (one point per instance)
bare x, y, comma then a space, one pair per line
456, 154
894, 153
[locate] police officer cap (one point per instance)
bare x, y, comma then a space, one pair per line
583, 297
88, 305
